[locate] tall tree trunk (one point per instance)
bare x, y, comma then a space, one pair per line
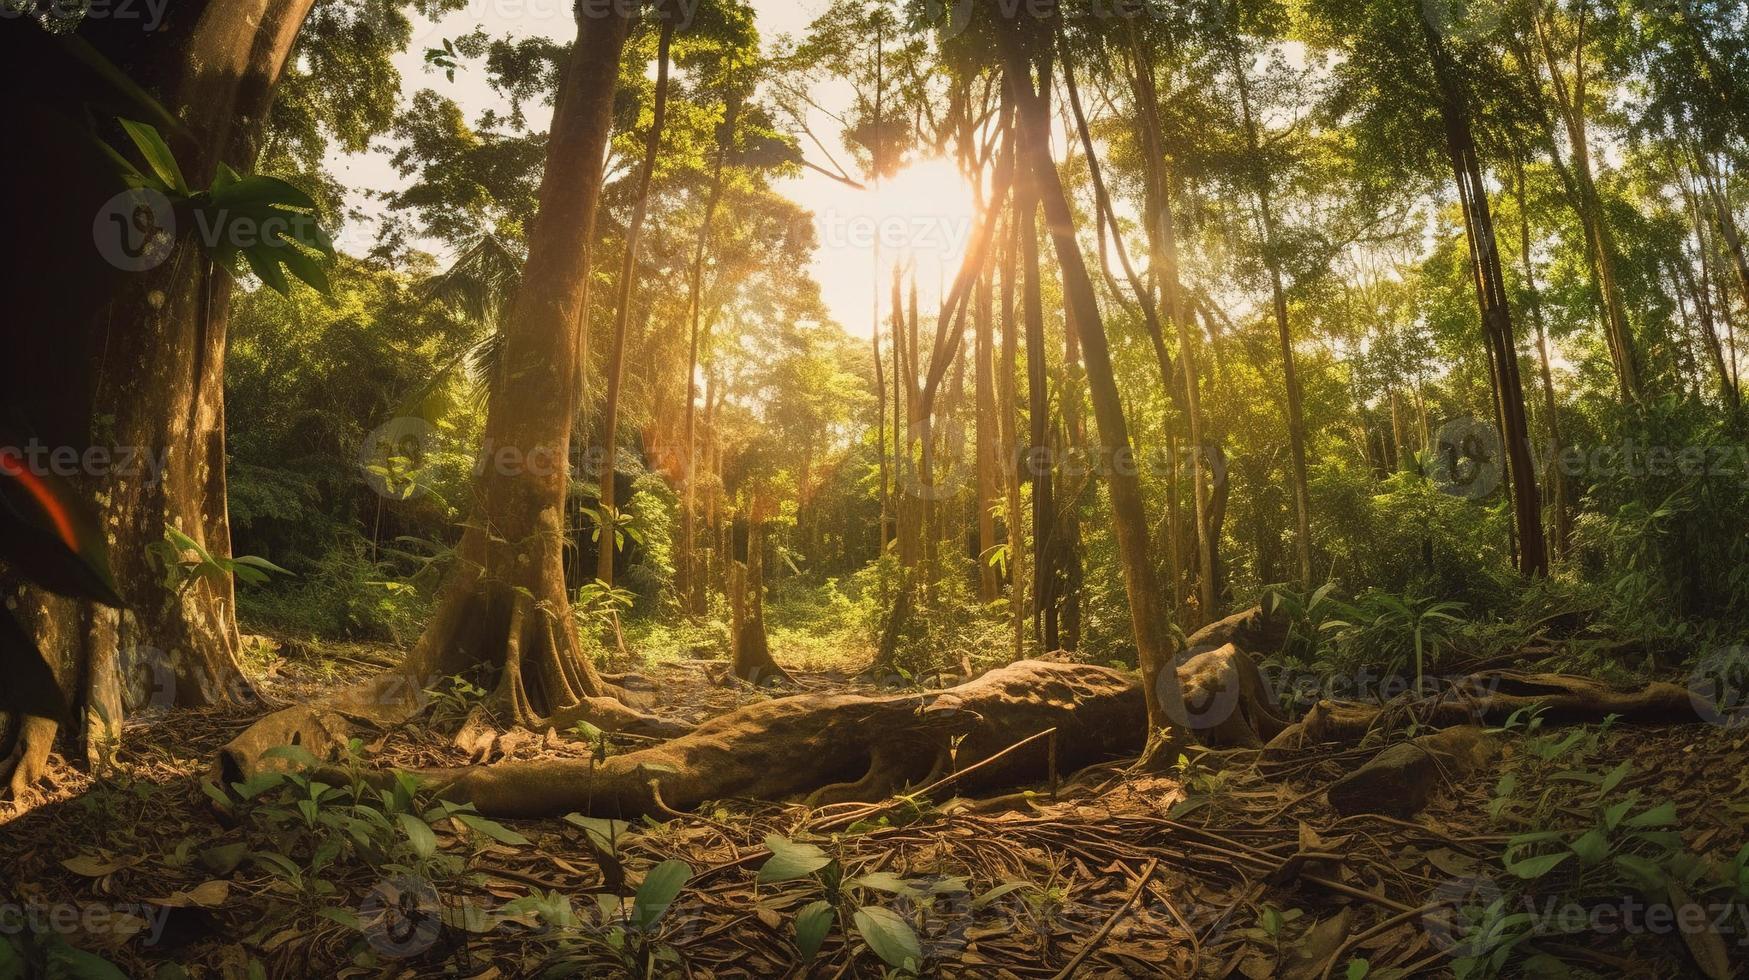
1009, 414
1149, 622
691, 584
131, 362
504, 602
628, 270
881, 441
1490, 284
1044, 537
1605, 256
989, 587
1164, 232
1294, 403
1561, 519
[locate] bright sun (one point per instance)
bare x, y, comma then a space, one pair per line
921, 219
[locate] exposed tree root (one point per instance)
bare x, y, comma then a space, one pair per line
834, 746
1251, 630
1491, 698
28, 762
543, 682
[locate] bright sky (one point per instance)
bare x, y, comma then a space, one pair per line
921, 217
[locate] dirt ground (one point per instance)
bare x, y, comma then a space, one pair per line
1234, 866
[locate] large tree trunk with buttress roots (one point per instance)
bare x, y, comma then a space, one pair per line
126, 369
504, 606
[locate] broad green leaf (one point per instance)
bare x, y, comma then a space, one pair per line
494, 830
1662, 815
605, 832
790, 860
890, 937
658, 891
813, 923
418, 834
64, 962
1591, 847
1535, 867
157, 153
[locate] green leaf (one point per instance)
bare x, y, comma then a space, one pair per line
343, 916
1662, 815
658, 891
1006, 888
1357, 969
157, 153
884, 881
1591, 847
255, 193
813, 922
64, 962
12, 964
266, 268
1615, 776
890, 937
790, 860
604, 832
494, 830
1647, 873
253, 561
418, 834
1535, 867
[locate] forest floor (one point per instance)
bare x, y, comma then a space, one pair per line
1232, 866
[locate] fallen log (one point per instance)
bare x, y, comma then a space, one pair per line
832, 747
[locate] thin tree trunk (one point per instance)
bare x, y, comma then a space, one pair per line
1296, 420
691, 584
1601, 239
1165, 234
1496, 313
1149, 622
608, 515
1561, 520
989, 587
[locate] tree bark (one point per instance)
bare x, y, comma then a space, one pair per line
1490, 282
691, 584
1149, 622
1164, 233
606, 513
504, 603
131, 362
